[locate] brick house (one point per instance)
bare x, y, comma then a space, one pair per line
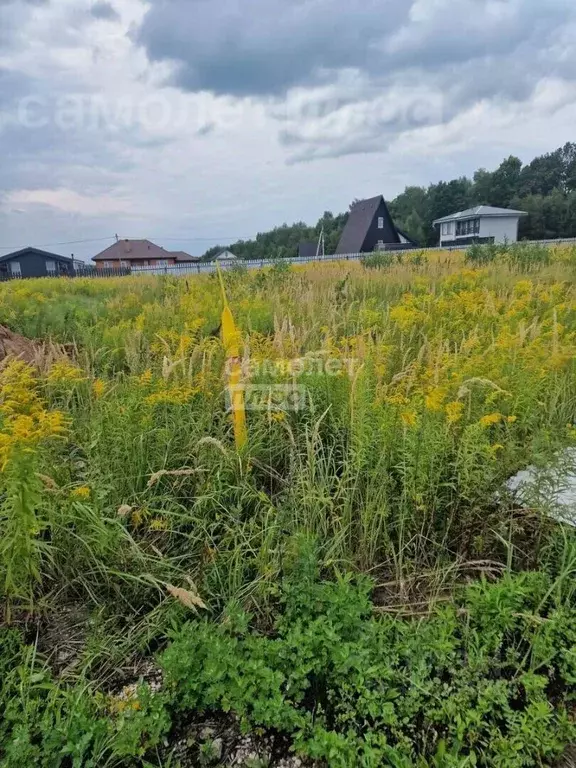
139, 253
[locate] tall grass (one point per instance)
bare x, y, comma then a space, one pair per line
427, 383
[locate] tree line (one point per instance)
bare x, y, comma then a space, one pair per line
544, 188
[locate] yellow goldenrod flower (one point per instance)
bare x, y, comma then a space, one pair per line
406, 317
490, 419
397, 399
454, 411
65, 371
409, 418
98, 387
176, 395
136, 518
82, 492
159, 524
434, 400
146, 377
24, 420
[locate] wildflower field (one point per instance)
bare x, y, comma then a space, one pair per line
353, 586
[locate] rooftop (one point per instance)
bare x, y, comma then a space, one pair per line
126, 250
358, 225
37, 252
480, 210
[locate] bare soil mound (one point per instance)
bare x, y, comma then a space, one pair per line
14, 346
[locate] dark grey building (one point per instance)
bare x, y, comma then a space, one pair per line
307, 249
369, 228
32, 262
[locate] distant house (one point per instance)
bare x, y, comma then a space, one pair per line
225, 255
125, 254
32, 262
307, 250
370, 227
482, 224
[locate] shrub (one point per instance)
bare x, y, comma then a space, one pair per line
381, 260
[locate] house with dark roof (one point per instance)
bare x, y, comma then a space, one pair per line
482, 224
126, 253
307, 249
33, 262
370, 228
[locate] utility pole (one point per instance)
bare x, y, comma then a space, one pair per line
320, 248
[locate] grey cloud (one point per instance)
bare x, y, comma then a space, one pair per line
369, 125
46, 156
264, 46
46, 133
104, 10
463, 52
269, 46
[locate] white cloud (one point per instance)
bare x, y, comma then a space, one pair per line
68, 201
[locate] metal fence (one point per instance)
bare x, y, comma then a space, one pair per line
207, 267
204, 267
199, 268
76, 272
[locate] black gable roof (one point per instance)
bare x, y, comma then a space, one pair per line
36, 252
361, 232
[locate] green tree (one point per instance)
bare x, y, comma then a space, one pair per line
545, 189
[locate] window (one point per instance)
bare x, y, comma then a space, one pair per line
50, 266
468, 227
108, 265
445, 229
380, 222
15, 268
162, 262
124, 264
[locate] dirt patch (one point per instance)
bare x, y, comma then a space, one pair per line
219, 741
569, 759
63, 638
14, 346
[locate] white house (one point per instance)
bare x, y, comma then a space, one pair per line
482, 224
226, 255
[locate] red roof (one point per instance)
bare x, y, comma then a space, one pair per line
138, 250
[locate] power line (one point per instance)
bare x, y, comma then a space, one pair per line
50, 245
199, 239
113, 237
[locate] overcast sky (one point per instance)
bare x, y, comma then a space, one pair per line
193, 121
